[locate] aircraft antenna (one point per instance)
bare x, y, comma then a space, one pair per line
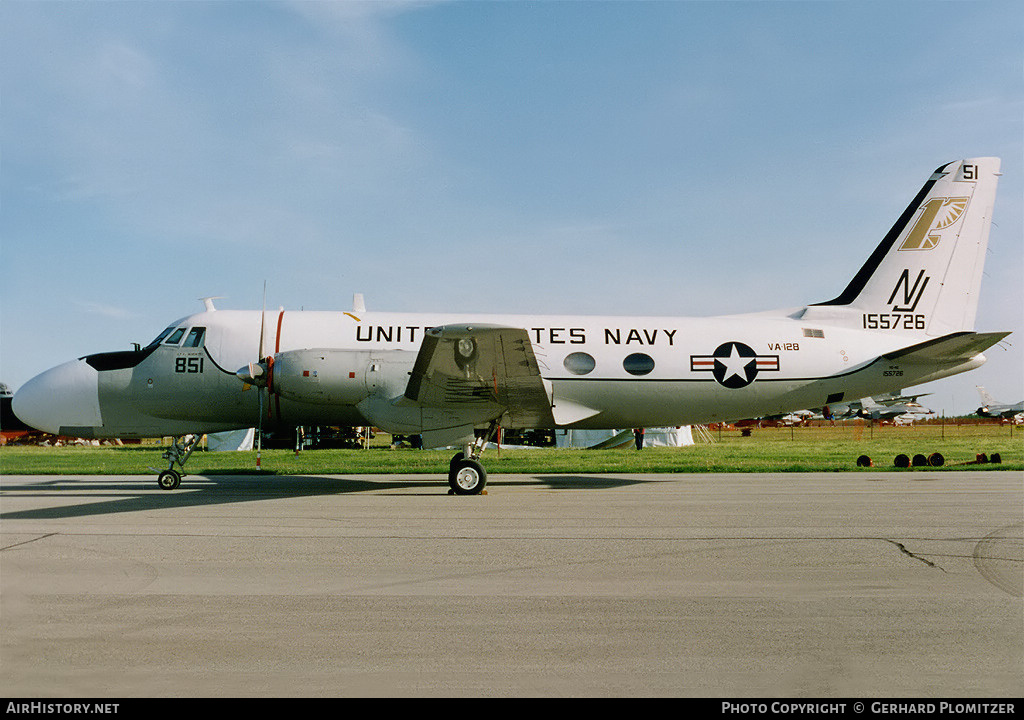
208, 302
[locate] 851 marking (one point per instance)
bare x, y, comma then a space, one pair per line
192, 365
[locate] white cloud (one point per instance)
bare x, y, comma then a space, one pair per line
104, 310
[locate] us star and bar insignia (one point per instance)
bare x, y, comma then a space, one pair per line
734, 364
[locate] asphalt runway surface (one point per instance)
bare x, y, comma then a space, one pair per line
902, 584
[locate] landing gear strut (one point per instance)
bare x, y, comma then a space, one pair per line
178, 453
466, 476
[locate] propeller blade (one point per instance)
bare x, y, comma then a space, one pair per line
263, 319
258, 373
259, 434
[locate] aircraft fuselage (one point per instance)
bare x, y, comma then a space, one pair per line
605, 372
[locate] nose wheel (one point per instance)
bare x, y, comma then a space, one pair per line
169, 479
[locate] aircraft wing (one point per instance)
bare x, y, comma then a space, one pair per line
952, 348
476, 367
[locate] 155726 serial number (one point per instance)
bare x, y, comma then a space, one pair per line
893, 321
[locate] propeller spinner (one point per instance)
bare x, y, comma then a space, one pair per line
255, 373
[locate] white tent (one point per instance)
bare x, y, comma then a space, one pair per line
653, 437
668, 437
231, 440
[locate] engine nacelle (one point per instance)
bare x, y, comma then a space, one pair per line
321, 377
338, 377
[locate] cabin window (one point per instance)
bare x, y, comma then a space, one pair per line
579, 363
195, 337
638, 364
175, 337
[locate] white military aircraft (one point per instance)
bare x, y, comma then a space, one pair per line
992, 408
909, 411
906, 317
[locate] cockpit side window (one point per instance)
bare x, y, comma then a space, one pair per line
195, 337
175, 337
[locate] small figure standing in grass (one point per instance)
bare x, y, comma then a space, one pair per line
638, 437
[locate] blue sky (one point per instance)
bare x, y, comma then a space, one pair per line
662, 158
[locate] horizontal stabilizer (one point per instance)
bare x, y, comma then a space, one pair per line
952, 348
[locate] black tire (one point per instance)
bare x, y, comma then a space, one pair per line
902, 461
169, 480
920, 461
467, 477
936, 460
863, 461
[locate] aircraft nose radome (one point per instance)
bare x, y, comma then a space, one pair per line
66, 396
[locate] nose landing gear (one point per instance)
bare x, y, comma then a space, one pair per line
179, 453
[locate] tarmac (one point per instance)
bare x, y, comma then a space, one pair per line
842, 585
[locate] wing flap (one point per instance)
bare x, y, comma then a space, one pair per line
479, 367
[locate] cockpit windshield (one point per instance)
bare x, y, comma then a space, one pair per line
159, 338
175, 337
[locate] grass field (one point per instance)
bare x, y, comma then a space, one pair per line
803, 449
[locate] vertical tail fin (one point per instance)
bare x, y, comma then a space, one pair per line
925, 275
986, 399
868, 404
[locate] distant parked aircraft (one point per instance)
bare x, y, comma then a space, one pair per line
992, 408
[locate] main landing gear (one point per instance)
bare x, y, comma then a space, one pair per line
466, 476
178, 453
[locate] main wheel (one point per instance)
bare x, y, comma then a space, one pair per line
169, 479
467, 477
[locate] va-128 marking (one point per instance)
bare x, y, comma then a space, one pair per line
455, 378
